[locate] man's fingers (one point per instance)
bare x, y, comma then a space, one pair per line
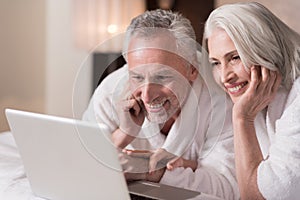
172, 164
132, 106
136, 108
152, 164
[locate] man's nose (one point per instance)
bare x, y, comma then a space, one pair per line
148, 92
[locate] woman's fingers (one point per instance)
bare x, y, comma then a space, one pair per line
271, 80
278, 79
265, 74
267, 83
254, 79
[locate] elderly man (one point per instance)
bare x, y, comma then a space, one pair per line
158, 102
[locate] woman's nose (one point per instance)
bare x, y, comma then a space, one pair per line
226, 73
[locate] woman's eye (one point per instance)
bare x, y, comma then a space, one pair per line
214, 64
235, 58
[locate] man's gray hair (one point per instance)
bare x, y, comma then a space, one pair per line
151, 23
259, 36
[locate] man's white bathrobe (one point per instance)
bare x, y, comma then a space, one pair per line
199, 133
278, 133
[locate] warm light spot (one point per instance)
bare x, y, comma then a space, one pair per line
112, 28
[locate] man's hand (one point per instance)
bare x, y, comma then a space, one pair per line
159, 159
154, 176
181, 162
131, 115
136, 167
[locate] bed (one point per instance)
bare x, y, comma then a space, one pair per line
13, 182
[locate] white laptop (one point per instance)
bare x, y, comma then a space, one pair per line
68, 159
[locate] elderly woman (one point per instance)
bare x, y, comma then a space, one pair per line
255, 58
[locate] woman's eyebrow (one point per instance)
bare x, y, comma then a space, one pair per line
229, 54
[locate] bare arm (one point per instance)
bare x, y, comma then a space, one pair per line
262, 89
247, 158
121, 139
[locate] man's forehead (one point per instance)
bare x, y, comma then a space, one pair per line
155, 67
163, 41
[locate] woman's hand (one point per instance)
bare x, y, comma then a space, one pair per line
262, 89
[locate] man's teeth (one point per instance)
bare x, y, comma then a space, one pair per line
156, 105
236, 88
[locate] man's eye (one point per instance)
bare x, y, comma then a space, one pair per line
137, 78
162, 77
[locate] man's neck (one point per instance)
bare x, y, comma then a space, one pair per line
168, 125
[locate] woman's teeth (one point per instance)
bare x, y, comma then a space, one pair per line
236, 88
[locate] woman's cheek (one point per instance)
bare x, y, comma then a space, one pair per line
217, 77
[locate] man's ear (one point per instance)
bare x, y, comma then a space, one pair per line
193, 73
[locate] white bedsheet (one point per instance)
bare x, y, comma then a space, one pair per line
13, 182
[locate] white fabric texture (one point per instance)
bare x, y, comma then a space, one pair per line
13, 181
197, 134
278, 132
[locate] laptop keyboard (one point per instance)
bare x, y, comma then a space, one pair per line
137, 197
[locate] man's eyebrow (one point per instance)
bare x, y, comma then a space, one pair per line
165, 70
132, 72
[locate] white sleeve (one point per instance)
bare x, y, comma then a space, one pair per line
102, 106
183, 131
215, 174
89, 114
278, 176
216, 167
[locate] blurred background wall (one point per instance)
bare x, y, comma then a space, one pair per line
22, 56
287, 10
41, 68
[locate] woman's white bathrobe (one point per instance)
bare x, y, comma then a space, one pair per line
278, 132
